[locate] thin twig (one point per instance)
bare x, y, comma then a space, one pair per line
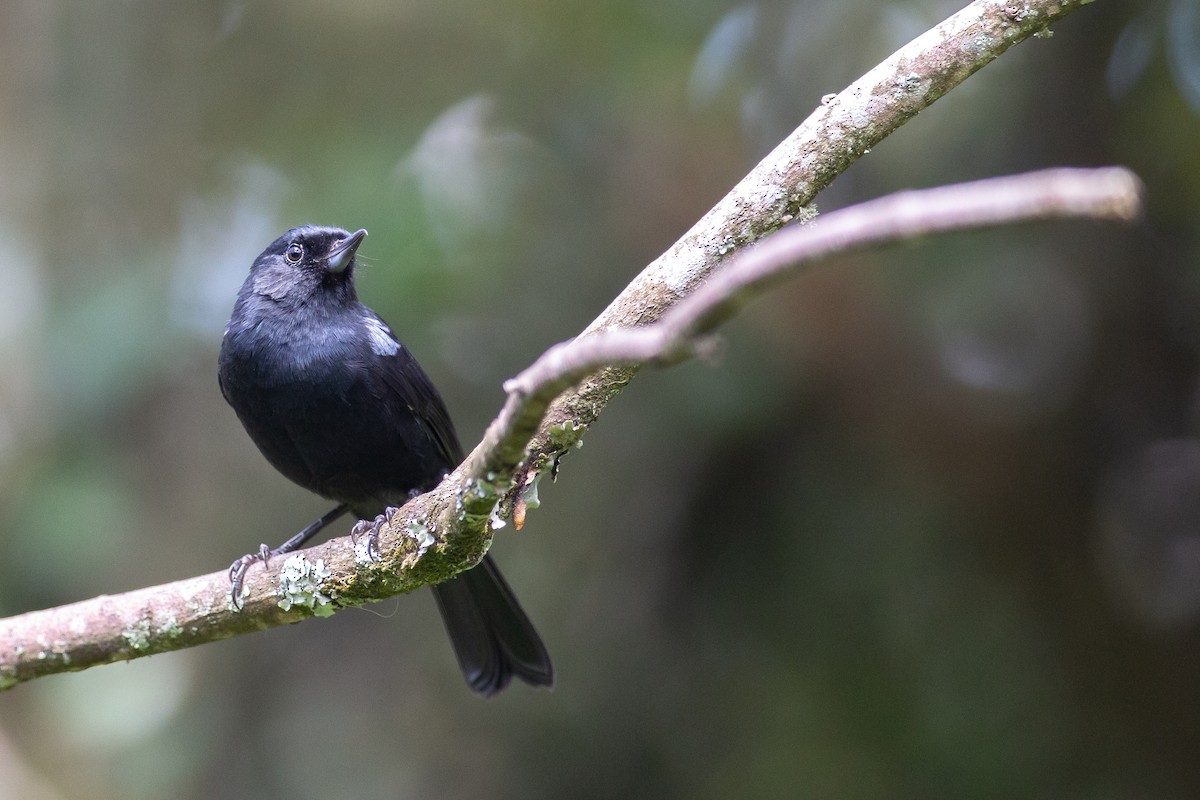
1109, 192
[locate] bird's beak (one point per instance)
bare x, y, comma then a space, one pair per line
343, 254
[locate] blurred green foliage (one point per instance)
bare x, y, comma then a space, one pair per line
930, 529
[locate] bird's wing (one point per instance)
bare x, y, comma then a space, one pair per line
404, 377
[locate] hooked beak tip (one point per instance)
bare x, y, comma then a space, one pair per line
343, 254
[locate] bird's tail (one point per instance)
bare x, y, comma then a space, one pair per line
492, 637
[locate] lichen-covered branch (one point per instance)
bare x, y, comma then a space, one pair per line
448, 529
316, 581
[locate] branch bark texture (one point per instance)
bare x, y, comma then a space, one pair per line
447, 530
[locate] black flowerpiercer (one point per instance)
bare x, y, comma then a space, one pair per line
338, 405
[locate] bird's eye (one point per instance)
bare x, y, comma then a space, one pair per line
294, 253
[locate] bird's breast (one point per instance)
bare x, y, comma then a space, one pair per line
265, 356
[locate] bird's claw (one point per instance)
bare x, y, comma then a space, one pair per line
237, 573
370, 530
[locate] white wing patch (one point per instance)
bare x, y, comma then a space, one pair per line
382, 342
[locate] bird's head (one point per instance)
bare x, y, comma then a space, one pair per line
307, 260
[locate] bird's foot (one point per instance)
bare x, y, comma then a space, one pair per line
369, 531
237, 573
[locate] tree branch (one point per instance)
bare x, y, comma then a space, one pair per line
447, 530
1111, 192
777, 191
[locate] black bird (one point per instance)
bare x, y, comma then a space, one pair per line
338, 405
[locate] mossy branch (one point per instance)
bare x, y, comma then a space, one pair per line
551, 405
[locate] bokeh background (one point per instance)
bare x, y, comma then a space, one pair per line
931, 528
